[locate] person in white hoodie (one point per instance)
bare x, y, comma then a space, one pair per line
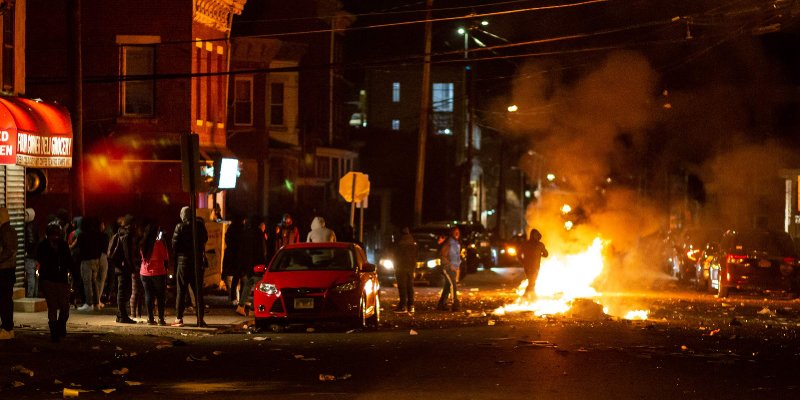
319, 233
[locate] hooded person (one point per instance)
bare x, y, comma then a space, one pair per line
8, 262
531, 253
185, 255
319, 232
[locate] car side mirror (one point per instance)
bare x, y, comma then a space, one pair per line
259, 269
368, 268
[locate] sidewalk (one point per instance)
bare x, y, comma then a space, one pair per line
217, 317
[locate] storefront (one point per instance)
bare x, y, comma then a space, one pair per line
33, 134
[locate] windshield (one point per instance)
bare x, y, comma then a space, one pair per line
313, 259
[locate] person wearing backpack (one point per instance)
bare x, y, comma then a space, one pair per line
121, 256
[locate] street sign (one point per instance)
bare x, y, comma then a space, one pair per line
354, 185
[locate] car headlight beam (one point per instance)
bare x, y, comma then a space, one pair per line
387, 263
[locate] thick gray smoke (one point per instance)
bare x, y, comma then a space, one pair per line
611, 134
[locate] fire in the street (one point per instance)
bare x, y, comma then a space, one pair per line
563, 279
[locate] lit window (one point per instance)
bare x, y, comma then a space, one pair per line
138, 96
276, 104
395, 124
243, 101
442, 97
395, 92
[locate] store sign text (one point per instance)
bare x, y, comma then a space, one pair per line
44, 151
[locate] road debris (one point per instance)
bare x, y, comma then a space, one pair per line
22, 370
121, 371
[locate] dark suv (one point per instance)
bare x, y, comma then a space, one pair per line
753, 260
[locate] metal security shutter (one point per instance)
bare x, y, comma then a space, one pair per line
13, 184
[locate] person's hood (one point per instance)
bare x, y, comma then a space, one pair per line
185, 214
29, 214
317, 223
536, 235
4, 217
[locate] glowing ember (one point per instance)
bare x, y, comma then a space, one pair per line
562, 280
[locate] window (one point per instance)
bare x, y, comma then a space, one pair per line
395, 92
8, 50
243, 101
442, 105
442, 97
276, 104
138, 96
395, 124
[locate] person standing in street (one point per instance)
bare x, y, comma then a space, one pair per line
55, 265
286, 232
153, 272
121, 255
8, 263
31, 241
252, 253
90, 243
185, 255
531, 253
319, 232
405, 261
450, 256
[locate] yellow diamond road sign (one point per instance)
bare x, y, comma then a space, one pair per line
354, 180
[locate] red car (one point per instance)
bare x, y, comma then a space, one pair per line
318, 282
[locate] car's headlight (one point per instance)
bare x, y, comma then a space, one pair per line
387, 263
433, 263
268, 288
346, 287
511, 250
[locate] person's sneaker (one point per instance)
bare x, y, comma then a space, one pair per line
177, 322
6, 335
85, 307
161, 322
125, 320
241, 310
151, 322
411, 310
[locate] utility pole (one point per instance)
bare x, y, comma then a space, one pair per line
77, 105
424, 118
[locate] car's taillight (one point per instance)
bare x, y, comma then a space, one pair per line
736, 258
789, 260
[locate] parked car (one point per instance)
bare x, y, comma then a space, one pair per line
753, 260
316, 282
427, 270
475, 242
689, 246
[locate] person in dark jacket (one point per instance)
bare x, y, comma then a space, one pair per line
31, 241
122, 255
531, 253
8, 263
230, 264
405, 262
286, 232
55, 266
185, 255
90, 243
252, 252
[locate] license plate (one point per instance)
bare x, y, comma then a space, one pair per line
304, 303
764, 263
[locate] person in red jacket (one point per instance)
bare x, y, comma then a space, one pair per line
153, 271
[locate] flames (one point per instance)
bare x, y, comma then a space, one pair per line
562, 281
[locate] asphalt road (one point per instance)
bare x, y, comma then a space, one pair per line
693, 346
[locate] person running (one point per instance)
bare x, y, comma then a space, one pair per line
531, 253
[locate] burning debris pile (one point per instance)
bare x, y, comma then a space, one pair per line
565, 287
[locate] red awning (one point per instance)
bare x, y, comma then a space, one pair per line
34, 133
